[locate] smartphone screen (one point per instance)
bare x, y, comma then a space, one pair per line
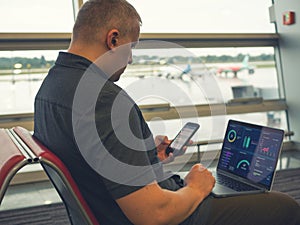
182, 138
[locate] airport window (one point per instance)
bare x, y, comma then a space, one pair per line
202, 16
213, 128
223, 47
236, 72
21, 74
204, 76
36, 16
205, 59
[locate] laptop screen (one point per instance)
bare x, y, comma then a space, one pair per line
251, 151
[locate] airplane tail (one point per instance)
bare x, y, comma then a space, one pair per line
247, 66
245, 61
187, 69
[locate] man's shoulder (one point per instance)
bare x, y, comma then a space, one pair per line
112, 90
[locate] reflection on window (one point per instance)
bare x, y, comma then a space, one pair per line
36, 16
21, 74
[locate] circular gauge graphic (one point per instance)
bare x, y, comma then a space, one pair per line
231, 136
243, 165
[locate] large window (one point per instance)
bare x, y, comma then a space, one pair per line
235, 72
21, 74
36, 16
176, 77
221, 68
203, 16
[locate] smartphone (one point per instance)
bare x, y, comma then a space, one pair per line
182, 138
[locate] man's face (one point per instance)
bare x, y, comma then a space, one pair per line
123, 53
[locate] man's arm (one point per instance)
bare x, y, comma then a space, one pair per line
154, 205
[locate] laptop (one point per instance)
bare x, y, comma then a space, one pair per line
248, 159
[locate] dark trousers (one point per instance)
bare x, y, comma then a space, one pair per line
271, 208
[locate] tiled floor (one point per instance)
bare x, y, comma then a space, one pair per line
26, 195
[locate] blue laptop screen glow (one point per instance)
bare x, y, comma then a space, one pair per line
251, 151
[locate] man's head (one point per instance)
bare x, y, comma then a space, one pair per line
103, 26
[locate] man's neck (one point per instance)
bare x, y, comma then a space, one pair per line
89, 52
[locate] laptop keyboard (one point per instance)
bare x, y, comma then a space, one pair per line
233, 184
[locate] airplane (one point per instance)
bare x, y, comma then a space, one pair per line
176, 72
170, 71
185, 74
236, 69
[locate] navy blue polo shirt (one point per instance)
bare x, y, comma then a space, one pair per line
98, 131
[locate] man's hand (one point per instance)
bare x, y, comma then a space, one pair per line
162, 143
200, 179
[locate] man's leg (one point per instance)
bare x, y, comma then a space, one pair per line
272, 208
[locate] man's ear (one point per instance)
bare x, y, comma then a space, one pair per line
112, 39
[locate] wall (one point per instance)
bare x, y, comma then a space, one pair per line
289, 49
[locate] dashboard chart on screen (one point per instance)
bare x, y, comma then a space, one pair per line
251, 151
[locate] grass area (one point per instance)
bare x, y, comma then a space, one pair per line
24, 71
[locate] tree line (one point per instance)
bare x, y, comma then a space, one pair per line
24, 63
145, 59
31, 63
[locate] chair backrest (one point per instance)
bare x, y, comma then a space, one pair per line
11, 160
77, 208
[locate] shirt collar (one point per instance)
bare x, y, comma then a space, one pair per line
71, 60
76, 61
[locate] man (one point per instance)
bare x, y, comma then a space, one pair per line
99, 133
